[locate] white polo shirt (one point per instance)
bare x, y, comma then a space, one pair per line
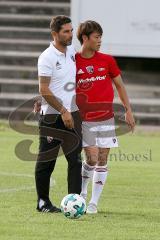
62, 70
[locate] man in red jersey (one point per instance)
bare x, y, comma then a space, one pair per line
96, 72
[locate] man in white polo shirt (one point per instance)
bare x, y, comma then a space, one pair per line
60, 123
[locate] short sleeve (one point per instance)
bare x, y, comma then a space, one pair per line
114, 70
44, 67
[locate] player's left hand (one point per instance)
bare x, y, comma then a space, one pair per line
129, 118
37, 106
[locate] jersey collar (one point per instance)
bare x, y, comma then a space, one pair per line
56, 50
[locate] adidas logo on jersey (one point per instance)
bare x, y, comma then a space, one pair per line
58, 65
80, 71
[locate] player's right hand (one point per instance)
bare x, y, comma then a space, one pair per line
68, 120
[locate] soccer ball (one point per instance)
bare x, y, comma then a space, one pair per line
73, 206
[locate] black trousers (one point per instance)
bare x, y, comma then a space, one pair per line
53, 135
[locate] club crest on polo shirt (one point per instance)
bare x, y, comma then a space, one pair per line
73, 58
58, 65
90, 69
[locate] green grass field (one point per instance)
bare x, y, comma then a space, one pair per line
129, 208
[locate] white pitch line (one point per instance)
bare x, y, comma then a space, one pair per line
16, 174
6, 190
25, 188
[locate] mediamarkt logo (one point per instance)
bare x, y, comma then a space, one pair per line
92, 79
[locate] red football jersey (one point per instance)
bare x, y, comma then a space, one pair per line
94, 90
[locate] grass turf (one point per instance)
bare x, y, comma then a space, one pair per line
129, 208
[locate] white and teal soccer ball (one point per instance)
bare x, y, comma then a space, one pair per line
73, 206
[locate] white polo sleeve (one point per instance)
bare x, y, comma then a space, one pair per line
45, 67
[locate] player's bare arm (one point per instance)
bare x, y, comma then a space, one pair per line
52, 101
129, 118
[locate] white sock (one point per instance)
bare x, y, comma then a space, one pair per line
99, 179
87, 174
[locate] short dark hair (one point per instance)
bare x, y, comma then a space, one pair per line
57, 22
87, 28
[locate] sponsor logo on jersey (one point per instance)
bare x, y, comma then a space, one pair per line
80, 71
90, 69
114, 140
101, 69
92, 79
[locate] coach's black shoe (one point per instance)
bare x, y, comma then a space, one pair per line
47, 206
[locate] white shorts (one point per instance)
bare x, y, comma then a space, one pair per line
100, 134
